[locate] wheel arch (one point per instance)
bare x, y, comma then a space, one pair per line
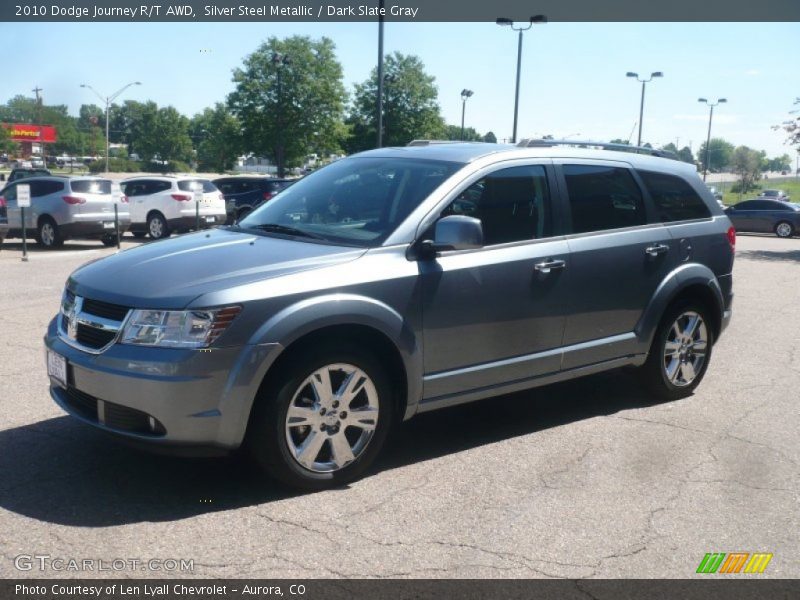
692, 281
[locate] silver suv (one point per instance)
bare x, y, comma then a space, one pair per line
391, 283
63, 208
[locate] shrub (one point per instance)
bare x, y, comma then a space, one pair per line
115, 165
737, 187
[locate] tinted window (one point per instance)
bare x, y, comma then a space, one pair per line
781, 206
188, 185
603, 198
156, 187
43, 188
512, 204
91, 186
357, 201
144, 187
674, 199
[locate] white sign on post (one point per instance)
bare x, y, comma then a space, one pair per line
23, 195
116, 192
198, 192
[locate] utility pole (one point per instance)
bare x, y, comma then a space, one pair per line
38, 118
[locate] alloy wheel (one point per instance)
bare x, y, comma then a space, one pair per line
783, 230
685, 349
48, 234
331, 418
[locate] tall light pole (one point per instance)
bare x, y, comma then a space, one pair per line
465, 93
711, 106
641, 103
108, 100
379, 142
280, 60
536, 19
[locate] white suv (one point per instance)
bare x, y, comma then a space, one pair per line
161, 205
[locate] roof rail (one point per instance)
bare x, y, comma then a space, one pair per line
432, 142
539, 143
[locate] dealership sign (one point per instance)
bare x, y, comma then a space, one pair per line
31, 133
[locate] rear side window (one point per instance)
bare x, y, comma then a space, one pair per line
91, 186
43, 188
513, 205
674, 198
188, 185
602, 198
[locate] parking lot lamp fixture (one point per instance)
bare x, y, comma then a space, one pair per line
502, 21
644, 82
711, 106
465, 93
108, 100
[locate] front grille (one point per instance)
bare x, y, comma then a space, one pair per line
92, 337
115, 312
114, 416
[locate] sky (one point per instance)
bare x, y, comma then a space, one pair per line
573, 74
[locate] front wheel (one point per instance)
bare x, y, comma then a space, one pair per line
680, 352
325, 420
784, 229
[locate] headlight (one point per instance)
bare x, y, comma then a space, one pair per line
177, 328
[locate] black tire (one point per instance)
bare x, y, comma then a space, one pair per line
157, 227
784, 229
655, 372
243, 213
268, 437
139, 234
48, 234
109, 240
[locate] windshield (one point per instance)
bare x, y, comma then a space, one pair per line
356, 201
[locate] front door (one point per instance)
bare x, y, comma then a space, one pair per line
496, 315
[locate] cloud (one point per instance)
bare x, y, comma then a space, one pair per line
752, 72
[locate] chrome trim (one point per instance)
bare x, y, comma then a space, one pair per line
71, 315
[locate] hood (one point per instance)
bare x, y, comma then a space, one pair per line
173, 272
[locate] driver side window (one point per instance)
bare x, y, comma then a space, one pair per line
512, 204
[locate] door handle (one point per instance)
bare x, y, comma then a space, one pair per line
549, 265
656, 249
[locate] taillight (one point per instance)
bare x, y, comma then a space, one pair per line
732, 237
181, 197
222, 197
2, 202
123, 199
269, 195
73, 199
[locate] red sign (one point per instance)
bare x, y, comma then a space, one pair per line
31, 133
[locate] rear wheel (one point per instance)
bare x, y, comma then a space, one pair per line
680, 351
157, 226
48, 234
243, 213
325, 419
784, 229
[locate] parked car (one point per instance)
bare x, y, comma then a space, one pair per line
63, 208
243, 193
23, 173
394, 282
766, 216
3, 220
161, 205
774, 195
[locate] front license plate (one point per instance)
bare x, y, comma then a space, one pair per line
57, 367
108, 225
210, 219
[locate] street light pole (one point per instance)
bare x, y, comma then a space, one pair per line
641, 102
108, 100
536, 19
711, 106
465, 93
379, 143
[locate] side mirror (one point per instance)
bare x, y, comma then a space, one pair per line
455, 232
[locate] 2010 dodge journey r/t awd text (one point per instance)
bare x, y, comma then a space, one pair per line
394, 282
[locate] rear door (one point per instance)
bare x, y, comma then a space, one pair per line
618, 257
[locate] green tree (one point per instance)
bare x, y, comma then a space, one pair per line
685, 154
719, 155
746, 163
289, 98
410, 107
453, 132
6, 145
159, 133
217, 137
490, 138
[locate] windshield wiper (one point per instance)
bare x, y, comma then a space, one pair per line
286, 229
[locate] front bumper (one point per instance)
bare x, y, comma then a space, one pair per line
168, 398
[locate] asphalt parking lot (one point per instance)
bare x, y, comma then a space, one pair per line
590, 478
